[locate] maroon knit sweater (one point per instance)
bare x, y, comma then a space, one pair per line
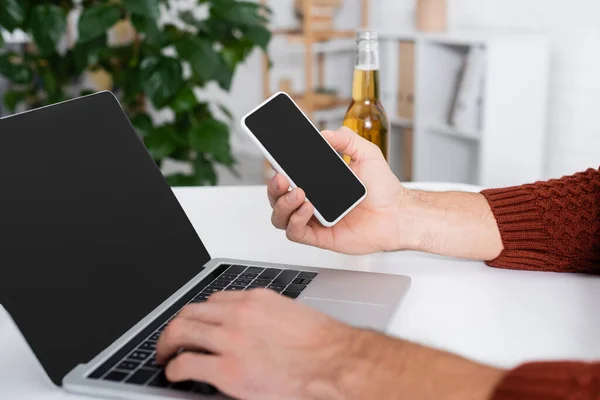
550, 226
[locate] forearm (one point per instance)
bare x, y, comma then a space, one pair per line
385, 368
452, 224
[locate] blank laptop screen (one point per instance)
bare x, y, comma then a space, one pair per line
91, 237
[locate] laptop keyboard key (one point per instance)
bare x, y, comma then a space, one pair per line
200, 298
228, 276
235, 288
255, 270
277, 288
242, 282
286, 276
160, 380
151, 363
211, 289
301, 281
154, 336
220, 283
296, 288
269, 273
261, 282
235, 269
247, 275
148, 345
116, 376
141, 376
291, 294
128, 365
308, 275
139, 355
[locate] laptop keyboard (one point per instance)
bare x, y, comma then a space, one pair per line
139, 365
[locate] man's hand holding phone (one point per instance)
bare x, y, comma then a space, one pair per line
373, 226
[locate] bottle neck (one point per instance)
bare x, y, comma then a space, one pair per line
366, 72
367, 54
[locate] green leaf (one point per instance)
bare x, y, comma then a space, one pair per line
236, 52
180, 180
212, 136
184, 101
224, 74
57, 98
258, 35
147, 26
161, 79
12, 99
146, 8
161, 142
204, 172
242, 13
97, 20
48, 24
226, 111
12, 14
188, 17
203, 59
142, 124
49, 82
1, 40
13, 68
86, 92
88, 54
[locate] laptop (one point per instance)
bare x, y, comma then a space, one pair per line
98, 256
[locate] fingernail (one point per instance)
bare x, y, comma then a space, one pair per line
293, 196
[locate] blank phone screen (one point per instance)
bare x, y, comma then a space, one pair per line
306, 157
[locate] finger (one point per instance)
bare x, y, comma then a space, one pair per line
285, 207
189, 366
349, 143
299, 230
227, 296
184, 333
277, 188
210, 312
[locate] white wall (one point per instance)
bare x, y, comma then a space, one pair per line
574, 106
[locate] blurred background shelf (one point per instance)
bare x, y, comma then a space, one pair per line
424, 79
402, 122
317, 38
446, 129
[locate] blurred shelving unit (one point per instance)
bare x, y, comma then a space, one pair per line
316, 40
422, 72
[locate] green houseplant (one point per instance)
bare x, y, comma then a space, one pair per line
151, 67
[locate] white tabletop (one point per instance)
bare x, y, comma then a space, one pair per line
493, 316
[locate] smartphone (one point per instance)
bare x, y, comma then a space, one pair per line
297, 150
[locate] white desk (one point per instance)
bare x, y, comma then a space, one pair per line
494, 316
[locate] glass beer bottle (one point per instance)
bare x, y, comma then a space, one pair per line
366, 115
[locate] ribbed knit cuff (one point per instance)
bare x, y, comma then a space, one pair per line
521, 228
550, 381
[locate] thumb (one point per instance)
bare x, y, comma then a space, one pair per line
349, 143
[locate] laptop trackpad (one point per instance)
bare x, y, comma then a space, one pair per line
364, 315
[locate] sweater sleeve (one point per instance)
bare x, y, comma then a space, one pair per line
550, 226
550, 381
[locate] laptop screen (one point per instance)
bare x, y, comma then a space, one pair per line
91, 237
